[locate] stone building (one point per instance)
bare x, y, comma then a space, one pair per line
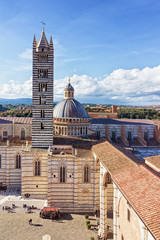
108, 165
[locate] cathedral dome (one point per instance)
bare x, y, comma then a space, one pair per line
70, 117
69, 108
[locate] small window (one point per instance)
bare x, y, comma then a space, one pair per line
128, 215
42, 87
98, 134
22, 134
43, 73
18, 161
113, 135
37, 168
42, 100
122, 238
146, 136
86, 174
0, 162
42, 58
42, 114
62, 174
5, 135
42, 125
129, 136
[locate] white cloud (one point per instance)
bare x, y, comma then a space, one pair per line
122, 86
15, 90
133, 86
27, 54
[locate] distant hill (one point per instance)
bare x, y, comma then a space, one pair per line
5, 101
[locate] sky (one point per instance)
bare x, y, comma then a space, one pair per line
110, 49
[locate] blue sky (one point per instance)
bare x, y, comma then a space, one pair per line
109, 48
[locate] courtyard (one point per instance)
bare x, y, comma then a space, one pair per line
14, 226
14, 223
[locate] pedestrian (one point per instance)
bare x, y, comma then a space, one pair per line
30, 221
96, 213
97, 222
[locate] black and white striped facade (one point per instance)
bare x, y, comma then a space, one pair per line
42, 100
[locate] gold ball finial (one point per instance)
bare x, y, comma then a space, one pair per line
69, 80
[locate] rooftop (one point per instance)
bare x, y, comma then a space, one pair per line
20, 120
153, 162
122, 121
139, 185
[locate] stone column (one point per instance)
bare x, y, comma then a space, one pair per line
103, 205
103, 212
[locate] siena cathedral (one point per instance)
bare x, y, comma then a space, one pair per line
83, 162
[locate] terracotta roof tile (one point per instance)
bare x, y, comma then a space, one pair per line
155, 160
139, 185
21, 120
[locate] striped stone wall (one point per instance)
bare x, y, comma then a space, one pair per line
42, 138
74, 195
36, 186
9, 175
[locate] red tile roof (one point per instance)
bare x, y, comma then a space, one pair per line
155, 160
21, 120
139, 185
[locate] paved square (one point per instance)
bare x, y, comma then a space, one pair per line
14, 226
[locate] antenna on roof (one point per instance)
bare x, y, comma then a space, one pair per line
43, 25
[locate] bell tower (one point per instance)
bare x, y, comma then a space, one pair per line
42, 92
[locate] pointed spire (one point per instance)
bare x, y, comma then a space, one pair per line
34, 39
43, 41
51, 42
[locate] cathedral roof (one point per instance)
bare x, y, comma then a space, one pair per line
69, 108
43, 41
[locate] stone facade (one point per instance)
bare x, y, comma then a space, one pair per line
10, 174
42, 102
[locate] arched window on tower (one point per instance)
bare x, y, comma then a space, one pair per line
86, 174
37, 168
23, 134
62, 174
18, 161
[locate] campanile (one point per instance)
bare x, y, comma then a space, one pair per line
42, 92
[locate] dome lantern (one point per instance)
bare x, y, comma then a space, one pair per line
69, 91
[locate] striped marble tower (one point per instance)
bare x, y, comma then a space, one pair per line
42, 101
